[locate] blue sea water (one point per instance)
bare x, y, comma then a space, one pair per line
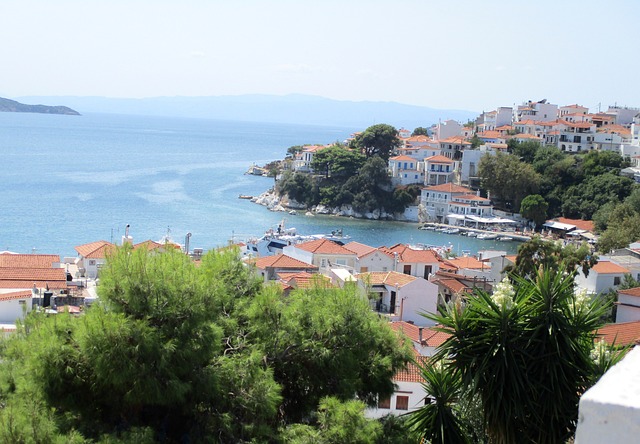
70, 180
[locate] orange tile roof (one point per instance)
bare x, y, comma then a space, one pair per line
580, 224
95, 250
359, 249
468, 262
622, 334
631, 292
56, 278
412, 373
324, 246
608, 267
407, 254
456, 139
526, 136
490, 135
430, 336
403, 158
504, 128
307, 280
16, 295
472, 197
449, 188
527, 122
392, 278
453, 284
282, 261
438, 159
28, 260
420, 138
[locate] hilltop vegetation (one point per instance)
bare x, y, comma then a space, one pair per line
7, 105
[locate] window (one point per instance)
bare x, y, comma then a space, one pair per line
92, 262
384, 403
364, 269
402, 403
22, 302
407, 269
323, 263
427, 271
616, 280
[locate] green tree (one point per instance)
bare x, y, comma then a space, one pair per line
297, 186
475, 141
508, 179
525, 151
534, 207
526, 350
420, 131
538, 252
377, 140
293, 150
337, 162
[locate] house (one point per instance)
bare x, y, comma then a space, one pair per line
91, 257
415, 262
323, 254
15, 305
603, 276
628, 305
370, 258
405, 170
302, 160
438, 170
440, 201
270, 266
469, 266
425, 340
302, 280
408, 396
453, 285
453, 147
399, 296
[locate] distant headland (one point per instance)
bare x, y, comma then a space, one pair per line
11, 106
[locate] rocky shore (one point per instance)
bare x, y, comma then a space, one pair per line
274, 202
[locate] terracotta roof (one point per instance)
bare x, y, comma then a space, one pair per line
95, 250
608, 267
580, 224
420, 138
403, 158
527, 122
472, 197
504, 128
412, 373
55, 278
456, 139
282, 261
16, 295
28, 260
631, 292
438, 159
430, 336
359, 249
453, 284
324, 246
490, 135
468, 262
392, 278
449, 188
407, 254
308, 280
526, 136
624, 333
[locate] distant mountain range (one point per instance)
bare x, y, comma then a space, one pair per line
11, 106
294, 109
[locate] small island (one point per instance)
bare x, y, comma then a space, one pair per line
11, 106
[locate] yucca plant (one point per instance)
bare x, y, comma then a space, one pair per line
525, 350
436, 421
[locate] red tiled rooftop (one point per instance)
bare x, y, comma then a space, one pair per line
608, 267
16, 295
449, 188
386, 278
9, 260
624, 333
580, 224
438, 159
323, 246
282, 261
95, 250
468, 262
631, 292
430, 336
453, 284
359, 249
406, 254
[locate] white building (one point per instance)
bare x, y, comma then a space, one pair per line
405, 170
603, 276
628, 305
438, 170
441, 200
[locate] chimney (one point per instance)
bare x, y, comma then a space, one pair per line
420, 334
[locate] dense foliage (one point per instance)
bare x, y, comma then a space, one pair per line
179, 353
345, 176
527, 351
377, 140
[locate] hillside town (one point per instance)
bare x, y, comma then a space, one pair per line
406, 286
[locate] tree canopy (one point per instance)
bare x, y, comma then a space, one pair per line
177, 352
377, 140
420, 131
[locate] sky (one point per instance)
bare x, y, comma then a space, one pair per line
473, 55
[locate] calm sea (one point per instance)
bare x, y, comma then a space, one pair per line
70, 180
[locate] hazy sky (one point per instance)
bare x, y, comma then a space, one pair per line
473, 55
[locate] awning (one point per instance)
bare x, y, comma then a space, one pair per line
490, 220
558, 225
